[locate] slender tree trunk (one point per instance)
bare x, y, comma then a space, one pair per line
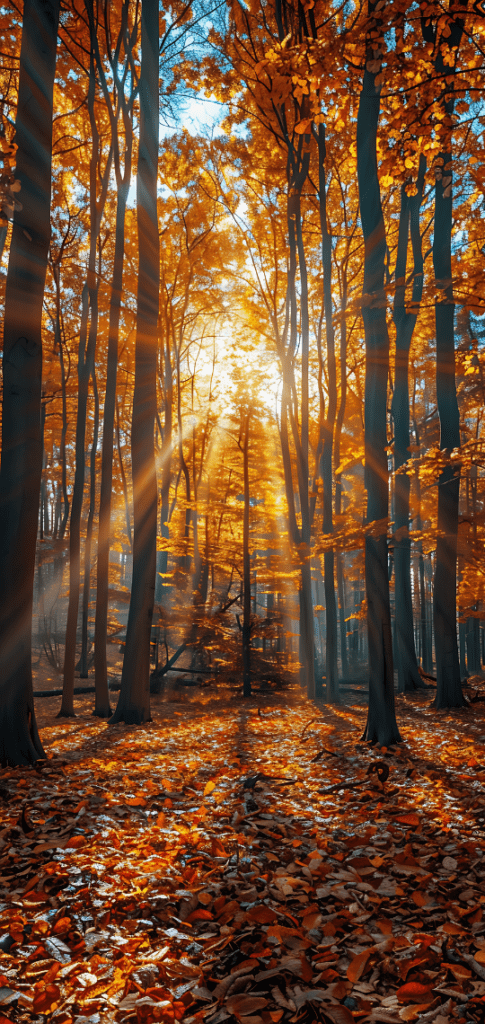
338, 475
123, 480
332, 687
134, 701
162, 587
405, 652
21, 459
59, 346
86, 351
89, 536
246, 629
297, 176
381, 720
102, 706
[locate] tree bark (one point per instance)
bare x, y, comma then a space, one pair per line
102, 706
134, 701
381, 724
409, 678
246, 629
21, 458
448, 692
86, 351
332, 688
89, 536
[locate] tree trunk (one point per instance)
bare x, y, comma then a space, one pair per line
449, 692
297, 176
89, 536
338, 475
381, 724
246, 629
409, 678
123, 480
134, 701
59, 340
22, 377
162, 588
86, 351
102, 706
332, 687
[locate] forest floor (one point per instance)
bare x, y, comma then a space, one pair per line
242, 861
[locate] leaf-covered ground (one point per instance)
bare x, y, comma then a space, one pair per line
245, 861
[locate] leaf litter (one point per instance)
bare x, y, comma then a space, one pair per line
212, 869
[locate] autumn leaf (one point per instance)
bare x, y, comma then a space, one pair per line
413, 992
357, 966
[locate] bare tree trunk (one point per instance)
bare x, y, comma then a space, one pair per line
59, 346
89, 536
21, 459
332, 688
86, 351
405, 654
134, 701
381, 719
102, 706
123, 480
449, 692
246, 629
338, 475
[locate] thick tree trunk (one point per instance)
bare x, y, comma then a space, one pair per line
381, 720
134, 701
405, 320
102, 707
22, 377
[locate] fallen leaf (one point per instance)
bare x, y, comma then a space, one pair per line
242, 1005
414, 992
261, 914
356, 967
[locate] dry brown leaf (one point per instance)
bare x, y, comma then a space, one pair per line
242, 1005
356, 967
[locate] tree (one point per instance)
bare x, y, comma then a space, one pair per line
405, 320
449, 692
381, 724
85, 368
124, 107
134, 701
21, 462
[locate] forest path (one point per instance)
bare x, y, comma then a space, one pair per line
207, 867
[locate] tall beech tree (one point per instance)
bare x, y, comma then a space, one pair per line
21, 462
85, 367
134, 701
381, 724
405, 321
449, 692
123, 147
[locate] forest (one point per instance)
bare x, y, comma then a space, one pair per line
242, 624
